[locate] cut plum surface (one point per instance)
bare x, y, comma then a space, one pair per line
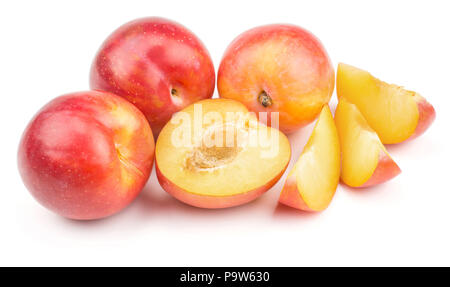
365, 161
396, 114
215, 154
311, 184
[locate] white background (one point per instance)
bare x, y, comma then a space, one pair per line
46, 49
